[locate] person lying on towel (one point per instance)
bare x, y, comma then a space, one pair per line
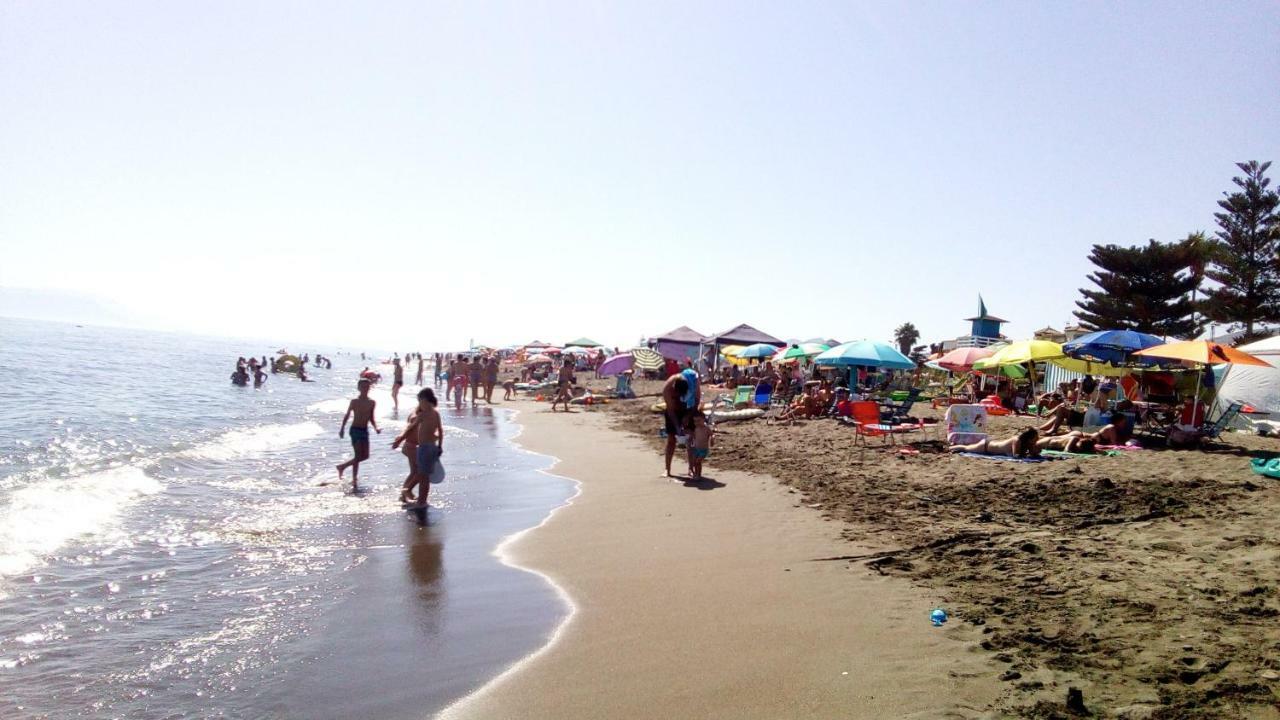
1022, 445
1074, 442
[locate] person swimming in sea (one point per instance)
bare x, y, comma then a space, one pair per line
361, 413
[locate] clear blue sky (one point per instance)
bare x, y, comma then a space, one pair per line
420, 174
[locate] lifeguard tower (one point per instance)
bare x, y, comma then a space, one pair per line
984, 330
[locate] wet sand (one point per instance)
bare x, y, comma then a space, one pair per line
713, 601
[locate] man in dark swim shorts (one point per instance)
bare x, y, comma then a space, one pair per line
673, 393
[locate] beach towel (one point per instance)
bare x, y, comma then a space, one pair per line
1006, 458
966, 424
1065, 454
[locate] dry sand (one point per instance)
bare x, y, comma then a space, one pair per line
1149, 580
712, 602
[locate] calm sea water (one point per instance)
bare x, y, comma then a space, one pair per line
167, 549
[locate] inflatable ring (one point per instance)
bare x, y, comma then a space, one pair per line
1266, 466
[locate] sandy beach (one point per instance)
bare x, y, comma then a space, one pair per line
1147, 579
713, 601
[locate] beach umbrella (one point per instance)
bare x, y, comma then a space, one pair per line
646, 359
1017, 372
538, 360
1021, 352
1201, 352
1110, 346
867, 353
800, 350
962, 359
616, 365
759, 351
577, 350
1086, 367
1204, 352
550, 350
730, 354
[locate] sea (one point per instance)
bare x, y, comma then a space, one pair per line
175, 546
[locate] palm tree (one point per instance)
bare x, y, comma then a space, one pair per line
906, 336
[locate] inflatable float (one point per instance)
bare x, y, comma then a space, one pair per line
288, 364
721, 416
1266, 466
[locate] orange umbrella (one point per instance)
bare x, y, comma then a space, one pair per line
1204, 352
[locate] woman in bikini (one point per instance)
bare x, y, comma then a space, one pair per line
1021, 445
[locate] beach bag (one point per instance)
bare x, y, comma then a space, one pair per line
436, 476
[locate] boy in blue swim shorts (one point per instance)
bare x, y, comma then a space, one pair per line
360, 411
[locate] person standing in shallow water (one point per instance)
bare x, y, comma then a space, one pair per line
397, 383
361, 413
418, 379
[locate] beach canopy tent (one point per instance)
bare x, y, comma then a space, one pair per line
1253, 385
536, 344
680, 344
583, 342
744, 335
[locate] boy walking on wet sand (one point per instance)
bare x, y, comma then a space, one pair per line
360, 411
430, 440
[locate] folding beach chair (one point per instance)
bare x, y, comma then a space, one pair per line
742, 395
865, 418
1213, 430
966, 424
894, 413
764, 396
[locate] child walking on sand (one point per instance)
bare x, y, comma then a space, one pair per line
360, 412
699, 442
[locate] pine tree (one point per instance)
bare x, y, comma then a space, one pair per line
1146, 288
1245, 261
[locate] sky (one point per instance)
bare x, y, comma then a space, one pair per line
425, 175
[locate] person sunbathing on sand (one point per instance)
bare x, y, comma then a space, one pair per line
1075, 442
1057, 419
1019, 446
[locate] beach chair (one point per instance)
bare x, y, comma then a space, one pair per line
763, 395
1213, 430
895, 413
742, 395
865, 418
966, 424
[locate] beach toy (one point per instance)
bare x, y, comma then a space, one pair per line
938, 617
1266, 466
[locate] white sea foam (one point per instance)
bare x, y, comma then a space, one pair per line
251, 441
41, 517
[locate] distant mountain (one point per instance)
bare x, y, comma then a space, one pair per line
61, 305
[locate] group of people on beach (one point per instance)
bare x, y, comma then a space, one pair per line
477, 372
421, 441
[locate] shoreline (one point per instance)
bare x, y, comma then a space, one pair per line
758, 627
504, 557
